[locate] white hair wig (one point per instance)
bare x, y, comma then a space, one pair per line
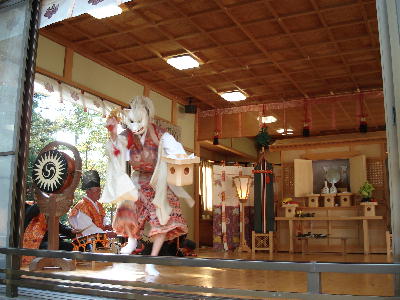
143, 102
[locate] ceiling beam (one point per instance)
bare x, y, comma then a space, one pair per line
330, 34
206, 12
261, 48
217, 43
234, 44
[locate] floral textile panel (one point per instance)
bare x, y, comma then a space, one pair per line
232, 219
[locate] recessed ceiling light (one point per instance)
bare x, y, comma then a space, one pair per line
183, 62
280, 130
289, 130
233, 96
268, 119
105, 11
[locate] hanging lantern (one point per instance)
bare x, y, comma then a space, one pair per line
307, 119
306, 129
216, 138
242, 184
361, 114
217, 128
363, 125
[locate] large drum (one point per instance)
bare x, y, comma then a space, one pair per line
84, 243
53, 171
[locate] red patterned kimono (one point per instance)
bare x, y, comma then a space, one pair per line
87, 207
33, 235
132, 216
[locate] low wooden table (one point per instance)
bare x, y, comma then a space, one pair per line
304, 242
364, 220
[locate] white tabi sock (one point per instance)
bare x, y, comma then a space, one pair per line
130, 247
151, 270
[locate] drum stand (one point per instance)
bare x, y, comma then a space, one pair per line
40, 263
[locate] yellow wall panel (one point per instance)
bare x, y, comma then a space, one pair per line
162, 104
245, 145
211, 155
329, 149
369, 150
50, 56
289, 156
225, 142
273, 157
106, 81
187, 124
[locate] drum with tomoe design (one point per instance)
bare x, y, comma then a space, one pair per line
53, 171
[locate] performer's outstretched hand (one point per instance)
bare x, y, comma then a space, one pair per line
111, 126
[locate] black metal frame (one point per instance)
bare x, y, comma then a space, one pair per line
79, 283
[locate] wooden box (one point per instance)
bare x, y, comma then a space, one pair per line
345, 199
312, 200
329, 200
180, 171
290, 210
369, 208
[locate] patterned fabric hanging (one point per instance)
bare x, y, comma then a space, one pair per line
223, 215
264, 215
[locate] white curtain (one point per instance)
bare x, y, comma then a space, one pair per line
60, 92
206, 185
205, 189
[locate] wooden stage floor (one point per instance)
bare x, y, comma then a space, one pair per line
332, 283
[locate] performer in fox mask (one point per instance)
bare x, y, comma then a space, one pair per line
157, 203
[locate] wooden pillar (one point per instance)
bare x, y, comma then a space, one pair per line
174, 112
196, 182
388, 13
68, 64
146, 91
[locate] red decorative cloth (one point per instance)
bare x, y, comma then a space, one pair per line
33, 235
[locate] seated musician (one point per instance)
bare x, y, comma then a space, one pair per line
36, 234
87, 216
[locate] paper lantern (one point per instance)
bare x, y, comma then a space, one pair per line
242, 184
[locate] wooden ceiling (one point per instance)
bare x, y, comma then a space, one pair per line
273, 50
